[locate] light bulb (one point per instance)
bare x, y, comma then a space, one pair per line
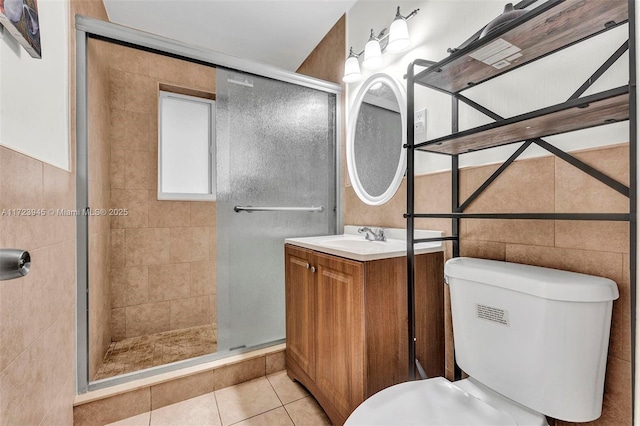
351, 69
372, 53
398, 34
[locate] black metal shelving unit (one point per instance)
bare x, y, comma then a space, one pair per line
549, 28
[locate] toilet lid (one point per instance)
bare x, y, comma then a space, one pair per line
427, 402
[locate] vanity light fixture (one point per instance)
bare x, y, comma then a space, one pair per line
395, 39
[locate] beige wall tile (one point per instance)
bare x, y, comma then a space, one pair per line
203, 278
181, 389
117, 168
577, 192
22, 387
533, 232
483, 249
113, 409
358, 213
118, 128
132, 132
526, 186
602, 264
233, 374
433, 193
127, 59
23, 187
140, 171
59, 363
148, 318
50, 286
147, 246
118, 324
140, 94
203, 213
326, 61
153, 134
168, 282
59, 193
593, 235
182, 72
168, 214
275, 362
189, 244
116, 89
135, 202
11, 321
129, 286
61, 411
190, 312
59, 190
117, 258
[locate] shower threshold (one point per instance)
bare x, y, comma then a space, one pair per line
139, 353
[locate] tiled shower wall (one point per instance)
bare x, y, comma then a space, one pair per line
162, 254
543, 185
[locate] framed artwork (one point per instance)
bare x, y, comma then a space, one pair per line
20, 19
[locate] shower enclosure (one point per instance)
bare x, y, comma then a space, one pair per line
184, 281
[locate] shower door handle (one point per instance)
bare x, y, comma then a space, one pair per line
250, 209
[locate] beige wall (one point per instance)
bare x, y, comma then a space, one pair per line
162, 254
37, 312
543, 185
326, 61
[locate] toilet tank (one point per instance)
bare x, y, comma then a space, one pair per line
536, 335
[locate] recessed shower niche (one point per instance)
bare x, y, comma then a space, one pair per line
195, 279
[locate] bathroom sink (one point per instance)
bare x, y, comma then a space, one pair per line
362, 245
355, 246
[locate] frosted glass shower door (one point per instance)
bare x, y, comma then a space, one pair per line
276, 148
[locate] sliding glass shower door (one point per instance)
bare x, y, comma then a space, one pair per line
275, 179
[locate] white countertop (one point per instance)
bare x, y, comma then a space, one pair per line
353, 245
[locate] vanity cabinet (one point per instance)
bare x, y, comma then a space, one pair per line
346, 324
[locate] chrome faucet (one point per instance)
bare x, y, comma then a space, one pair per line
375, 234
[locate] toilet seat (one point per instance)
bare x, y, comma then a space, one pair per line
439, 402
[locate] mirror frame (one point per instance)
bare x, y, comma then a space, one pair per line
400, 95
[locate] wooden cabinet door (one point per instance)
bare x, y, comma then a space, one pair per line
340, 367
300, 306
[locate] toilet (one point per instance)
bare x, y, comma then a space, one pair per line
533, 341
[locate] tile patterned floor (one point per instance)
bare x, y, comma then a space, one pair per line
138, 353
274, 400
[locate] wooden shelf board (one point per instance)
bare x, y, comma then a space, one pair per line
544, 30
603, 108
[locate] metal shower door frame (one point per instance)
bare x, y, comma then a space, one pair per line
86, 28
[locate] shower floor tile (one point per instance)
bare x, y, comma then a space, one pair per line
138, 353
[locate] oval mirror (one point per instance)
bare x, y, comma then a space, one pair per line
376, 159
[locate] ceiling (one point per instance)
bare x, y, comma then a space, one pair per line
278, 33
